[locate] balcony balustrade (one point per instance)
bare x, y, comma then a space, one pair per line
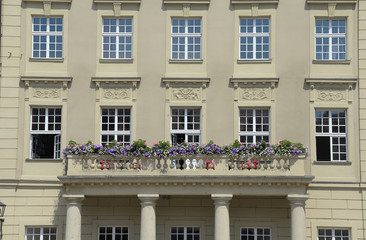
94, 164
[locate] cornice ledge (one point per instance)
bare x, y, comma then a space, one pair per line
176, 179
254, 80
186, 2
253, 1
51, 1
116, 79
185, 80
330, 1
331, 80
117, 1
45, 79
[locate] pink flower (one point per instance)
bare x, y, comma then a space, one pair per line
107, 144
155, 143
145, 144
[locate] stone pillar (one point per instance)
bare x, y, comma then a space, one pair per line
148, 216
73, 216
222, 219
298, 218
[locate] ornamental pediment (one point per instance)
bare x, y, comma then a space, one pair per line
43, 88
186, 89
254, 89
116, 88
331, 90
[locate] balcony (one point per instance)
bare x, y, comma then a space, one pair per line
196, 165
262, 169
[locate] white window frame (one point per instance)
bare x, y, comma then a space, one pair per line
41, 231
187, 132
186, 35
118, 35
330, 134
114, 231
330, 37
255, 134
333, 233
255, 35
46, 131
255, 231
48, 34
116, 132
185, 231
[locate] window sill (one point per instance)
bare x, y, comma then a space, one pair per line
253, 61
345, 62
44, 160
59, 60
186, 61
346, 163
115, 60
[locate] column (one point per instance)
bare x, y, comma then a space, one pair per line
298, 218
148, 216
222, 219
73, 216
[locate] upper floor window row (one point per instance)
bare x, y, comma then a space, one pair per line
330, 39
254, 39
117, 38
47, 36
186, 39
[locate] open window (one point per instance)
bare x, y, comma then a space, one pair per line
46, 133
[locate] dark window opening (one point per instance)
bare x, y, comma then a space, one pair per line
43, 146
323, 149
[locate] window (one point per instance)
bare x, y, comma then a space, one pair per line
47, 37
113, 233
334, 234
45, 133
186, 125
185, 233
331, 135
330, 39
117, 38
116, 125
255, 234
186, 39
254, 39
254, 125
41, 233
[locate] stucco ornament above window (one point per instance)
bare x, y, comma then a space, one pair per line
117, 1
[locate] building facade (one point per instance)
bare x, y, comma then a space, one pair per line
183, 71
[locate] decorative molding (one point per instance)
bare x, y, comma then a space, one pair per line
331, 81
116, 80
331, 9
186, 94
331, 1
117, 93
46, 93
118, 1
186, 9
254, 1
37, 79
331, 95
255, 8
51, 1
254, 94
186, 1
254, 81
331, 89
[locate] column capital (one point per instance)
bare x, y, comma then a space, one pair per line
297, 199
73, 198
221, 199
148, 199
